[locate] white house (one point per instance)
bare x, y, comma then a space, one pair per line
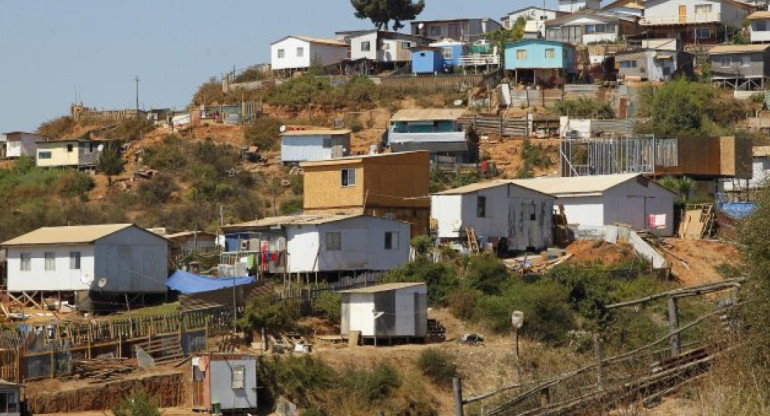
326, 243
694, 21
311, 145
382, 48
531, 13
595, 201
572, 6
463, 29
19, 143
589, 27
760, 172
496, 210
393, 310
436, 130
760, 26
90, 260
298, 53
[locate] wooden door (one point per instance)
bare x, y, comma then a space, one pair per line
683, 14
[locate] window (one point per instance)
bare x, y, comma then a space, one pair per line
745, 61
74, 260
348, 177
725, 62
760, 26
448, 53
333, 241
366, 46
300, 52
281, 53
391, 240
69, 148
90, 147
43, 155
8, 402
25, 264
703, 9
435, 30
481, 207
703, 33
406, 45
239, 377
521, 54
50, 261
550, 53
628, 64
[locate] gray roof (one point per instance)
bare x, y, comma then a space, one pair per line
387, 287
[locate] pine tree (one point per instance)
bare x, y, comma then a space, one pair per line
381, 12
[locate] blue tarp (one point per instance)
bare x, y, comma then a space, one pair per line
188, 283
738, 210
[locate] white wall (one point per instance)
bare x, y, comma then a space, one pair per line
662, 11
599, 37
221, 373
447, 211
760, 172
632, 203
571, 6
355, 47
529, 14
133, 261
302, 244
22, 144
62, 278
585, 211
360, 313
328, 54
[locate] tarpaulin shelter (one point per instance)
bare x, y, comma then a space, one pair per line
188, 283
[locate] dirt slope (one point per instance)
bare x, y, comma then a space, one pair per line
694, 262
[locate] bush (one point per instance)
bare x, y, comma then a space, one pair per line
438, 366
297, 376
329, 306
462, 302
57, 128
439, 277
157, 190
264, 133
584, 108
422, 244
266, 312
373, 385
168, 155
487, 273
292, 206
74, 184
137, 403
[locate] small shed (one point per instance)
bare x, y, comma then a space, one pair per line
310, 145
10, 398
224, 382
388, 311
452, 52
427, 60
190, 241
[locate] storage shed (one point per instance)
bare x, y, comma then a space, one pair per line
224, 382
393, 310
596, 201
510, 216
312, 145
427, 60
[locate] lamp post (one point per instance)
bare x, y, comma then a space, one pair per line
517, 320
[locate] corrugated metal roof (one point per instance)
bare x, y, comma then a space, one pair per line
189, 234
314, 132
426, 114
356, 159
474, 187
79, 234
292, 220
331, 42
759, 15
582, 185
383, 288
737, 48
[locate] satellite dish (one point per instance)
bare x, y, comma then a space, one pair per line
421, 26
282, 129
100, 147
458, 103
86, 279
102, 283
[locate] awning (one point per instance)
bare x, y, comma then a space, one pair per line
188, 283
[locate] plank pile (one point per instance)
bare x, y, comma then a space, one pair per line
101, 369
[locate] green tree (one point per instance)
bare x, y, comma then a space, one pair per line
679, 107
503, 36
264, 132
110, 163
381, 12
137, 403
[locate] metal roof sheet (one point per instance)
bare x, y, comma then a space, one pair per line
581, 185
760, 151
426, 114
738, 48
387, 287
759, 15
331, 42
292, 220
357, 159
474, 187
314, 132
79, 234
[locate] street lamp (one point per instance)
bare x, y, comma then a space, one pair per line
517, 320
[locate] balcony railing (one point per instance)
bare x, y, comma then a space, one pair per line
480, 59
437, 137
687, 19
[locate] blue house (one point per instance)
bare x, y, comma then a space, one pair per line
540, 61
427, 60
452, 52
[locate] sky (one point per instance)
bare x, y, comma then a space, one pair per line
51, 50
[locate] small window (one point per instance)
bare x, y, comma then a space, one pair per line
481, 207
726, 62
703, 9
333, 241
43, 155
745, 61
550, 53
239, 377
521, 54
90, 147
69, 148
50, 261
628, 64
366, 46
74, 260
300, 52
391, 240
406, 45
760, 26
281, 53
348, 177
448, 53
25, 264
703, 33
435, 30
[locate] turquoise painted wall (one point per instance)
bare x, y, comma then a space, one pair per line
539, 54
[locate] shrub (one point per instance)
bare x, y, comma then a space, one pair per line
168, 155
462, 302
487, 273
584, 108
422, 244
264, 133
74, 184
266, 312
297, 376
373, 385
329, 305
137, 403
438, 366
292, 206
439, 277
57, 128
157, 190
356, 125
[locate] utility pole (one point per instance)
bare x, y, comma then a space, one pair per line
137, 95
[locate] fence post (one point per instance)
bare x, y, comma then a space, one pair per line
53, 360
673, 326
598, 355
457, 389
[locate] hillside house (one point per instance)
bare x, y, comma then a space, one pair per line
760, 168
321, 243
229, 380
740, 67
759, 26
531, 13
596, 201
464, 30
299, 53
652, 64
91, 262
78, 153
390, 185
427, 60
574, 6
435, 130
385, 312
539, 61
303, 145
632, 8
452, 52
376, 50
19, 143
589, 27
695, 22
509, 216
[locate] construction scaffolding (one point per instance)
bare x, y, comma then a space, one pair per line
615, 155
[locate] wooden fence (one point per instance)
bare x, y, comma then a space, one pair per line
514, 126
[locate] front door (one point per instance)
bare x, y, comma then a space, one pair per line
682, 14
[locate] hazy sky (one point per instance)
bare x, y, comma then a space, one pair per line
50, 48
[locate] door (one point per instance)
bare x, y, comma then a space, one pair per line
682, 13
